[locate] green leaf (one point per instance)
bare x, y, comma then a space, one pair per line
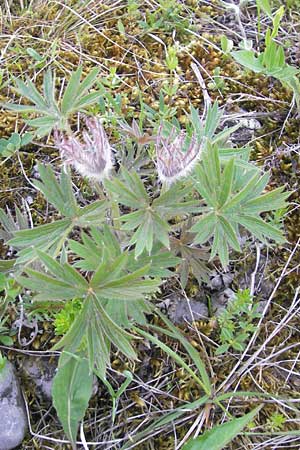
221, 435
71, 392
132, 220
203, 186
276, 21
22, 108
172, 354
212, 120
73, 338
134, 182
261, 229
43, 122
268, 202
49, 90
232, 191
63, 272
265, 6
124, 194
150, 220
75, 98
222, 137
43, 131
222, 349
107, 271
6, 265
30, 91
243, 195
204, 228
229, 233
126, 291
212, 165
98, 326
92, 214
57, 192
86, 100
26, 138
193, 353
46, 234
197, 123
49, 288
88, 81
226, 187
6, 340
158, 262
71, 91
247, 59
115, 334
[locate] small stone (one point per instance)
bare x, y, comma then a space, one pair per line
41, 372
35, 171
220, 300
29, 199
217, 282
12, 410
251, 124
227, 279
261, 306
184, 310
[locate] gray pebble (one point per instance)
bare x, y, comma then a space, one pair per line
13, 424
182, 310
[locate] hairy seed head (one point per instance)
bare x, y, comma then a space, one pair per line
93, 158
176, 154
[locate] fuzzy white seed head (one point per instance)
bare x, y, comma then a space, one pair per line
93, 158
174, 161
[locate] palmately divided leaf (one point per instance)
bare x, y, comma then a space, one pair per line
59, 193
50, 288
234, 197
149, 220
94, 248
267, 202
115, 334
11, 225
52, 114
102, 319
49, 91
125, 288
212, 120
91, 215
204, 228
109, 270
51, 237
159, 262
63, 272
261, 229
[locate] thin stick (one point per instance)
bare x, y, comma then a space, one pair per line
206, 97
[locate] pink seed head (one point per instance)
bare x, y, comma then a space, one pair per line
173, 160
93, 158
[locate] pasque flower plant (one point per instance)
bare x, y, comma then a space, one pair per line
118, 262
